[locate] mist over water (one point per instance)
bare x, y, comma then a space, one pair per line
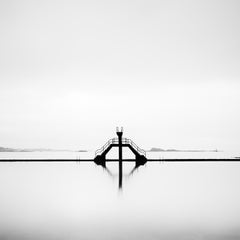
82, 201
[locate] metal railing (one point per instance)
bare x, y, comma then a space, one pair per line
106, 145
124, 141
134, 145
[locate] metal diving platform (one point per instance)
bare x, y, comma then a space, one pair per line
120, 143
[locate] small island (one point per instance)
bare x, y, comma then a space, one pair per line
155, 149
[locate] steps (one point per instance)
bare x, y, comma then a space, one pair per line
100, 154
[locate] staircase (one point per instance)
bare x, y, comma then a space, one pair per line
125, 143
101, 150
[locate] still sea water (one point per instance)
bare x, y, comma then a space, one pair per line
196, 200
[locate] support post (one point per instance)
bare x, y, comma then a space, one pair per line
119, 134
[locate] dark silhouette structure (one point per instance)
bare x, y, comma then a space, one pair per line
119, 142
100, 154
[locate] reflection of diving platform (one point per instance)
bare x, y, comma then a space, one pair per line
140, 154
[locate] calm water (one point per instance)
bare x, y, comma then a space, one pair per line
82, 201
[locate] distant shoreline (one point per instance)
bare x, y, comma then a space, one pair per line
176, 150
3, 149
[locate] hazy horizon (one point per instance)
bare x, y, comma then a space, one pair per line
167, 71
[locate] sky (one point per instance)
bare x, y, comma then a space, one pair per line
167, 71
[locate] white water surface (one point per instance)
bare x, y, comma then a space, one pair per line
160, 200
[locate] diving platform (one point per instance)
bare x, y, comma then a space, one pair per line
120, 143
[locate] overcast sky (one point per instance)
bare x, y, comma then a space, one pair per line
167, 71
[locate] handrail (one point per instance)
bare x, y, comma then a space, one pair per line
115, 141
106, 145
134, 145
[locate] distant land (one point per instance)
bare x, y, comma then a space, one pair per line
3, 149
154, 149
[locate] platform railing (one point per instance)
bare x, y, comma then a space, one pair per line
134, 145
106, 145
115, 141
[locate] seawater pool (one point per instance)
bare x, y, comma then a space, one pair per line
196, 200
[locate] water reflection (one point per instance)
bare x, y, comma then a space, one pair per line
120, 172
184, 200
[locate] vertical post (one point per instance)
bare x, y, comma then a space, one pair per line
120, 133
